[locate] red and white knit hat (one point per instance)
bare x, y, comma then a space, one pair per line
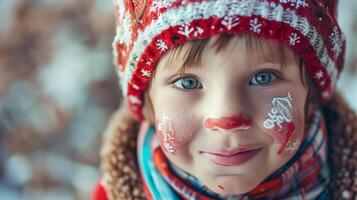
146, 29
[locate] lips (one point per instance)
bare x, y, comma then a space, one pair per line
231, 158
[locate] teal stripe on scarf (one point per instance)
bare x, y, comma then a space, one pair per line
151, 175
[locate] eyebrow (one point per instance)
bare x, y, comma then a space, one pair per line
268, 52
253, 61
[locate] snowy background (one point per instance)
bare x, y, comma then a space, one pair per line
58, 88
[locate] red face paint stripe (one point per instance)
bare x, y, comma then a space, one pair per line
221, 187
228, 122
290, 128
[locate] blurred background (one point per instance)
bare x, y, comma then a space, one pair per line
58, 89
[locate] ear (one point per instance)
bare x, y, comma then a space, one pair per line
148, 109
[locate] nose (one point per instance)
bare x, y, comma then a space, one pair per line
229, 108
228, 123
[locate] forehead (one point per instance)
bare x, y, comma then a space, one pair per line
256, 49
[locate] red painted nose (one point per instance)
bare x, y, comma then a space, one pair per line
227, 123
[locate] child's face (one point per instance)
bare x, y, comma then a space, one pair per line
235, 119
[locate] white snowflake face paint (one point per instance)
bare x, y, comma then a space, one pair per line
282, 112
281, 125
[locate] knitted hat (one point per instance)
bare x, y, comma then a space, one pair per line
146, 29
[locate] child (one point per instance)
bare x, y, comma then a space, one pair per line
229, 99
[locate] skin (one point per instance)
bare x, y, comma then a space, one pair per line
227, 88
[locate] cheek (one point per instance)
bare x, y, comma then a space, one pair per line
283, 123
176, 130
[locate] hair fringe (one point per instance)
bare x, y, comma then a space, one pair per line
121, 177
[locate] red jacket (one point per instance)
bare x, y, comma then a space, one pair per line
99, 192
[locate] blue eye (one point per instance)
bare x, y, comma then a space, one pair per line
262, 78
188, 83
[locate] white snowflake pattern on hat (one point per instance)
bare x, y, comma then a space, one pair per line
319, 75
294, 39
198, 31
255, 25
335, 40
186, 30
230, 22
296, 3
146, 73
161, 45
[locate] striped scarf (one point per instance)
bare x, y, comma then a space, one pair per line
305, 176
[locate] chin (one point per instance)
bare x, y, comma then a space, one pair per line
232, 191
229, 185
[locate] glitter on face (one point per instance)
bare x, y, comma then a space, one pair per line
287, 131
166, 128
174, 129
280, 122
293, 145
